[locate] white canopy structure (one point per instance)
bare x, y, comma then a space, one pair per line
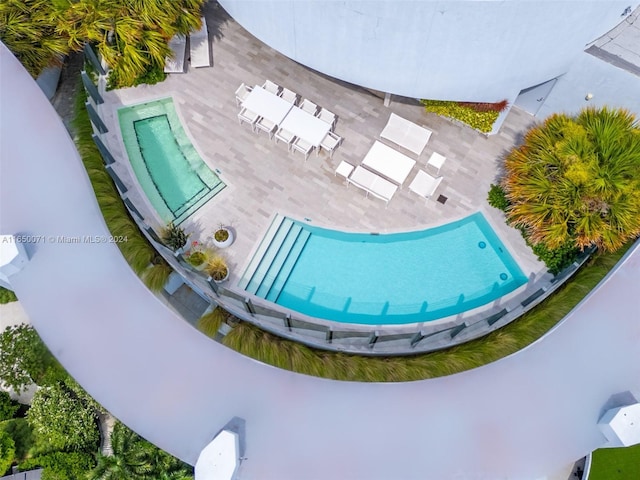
517, 418
13, 258
622, 425
219, 459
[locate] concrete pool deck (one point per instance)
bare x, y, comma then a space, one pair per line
264, 179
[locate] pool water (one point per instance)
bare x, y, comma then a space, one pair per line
400, 278
170, 171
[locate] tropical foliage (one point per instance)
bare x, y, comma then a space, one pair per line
61, 465
8, 407
577, 180
131, 35
134, 458
24, 359
61, 415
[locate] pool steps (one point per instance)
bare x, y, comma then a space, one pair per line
268, 270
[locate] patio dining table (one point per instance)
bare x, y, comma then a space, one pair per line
267, 105
388, 162
305, 126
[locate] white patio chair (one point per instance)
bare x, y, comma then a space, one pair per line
309, 107
284, 135
175, 63
424, 184
269, 86
265, 125
326, 116
436, 161
302, 146
199, 44
242, 93
249, 117
289, 96
329, 143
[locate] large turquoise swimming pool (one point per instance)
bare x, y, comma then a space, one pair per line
169, 169
389, 279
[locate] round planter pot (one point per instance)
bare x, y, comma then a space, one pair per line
227, 242
222, 279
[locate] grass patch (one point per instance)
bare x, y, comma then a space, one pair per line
615, 463
138, 252
289, 355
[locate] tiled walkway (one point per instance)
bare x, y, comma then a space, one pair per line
264, 179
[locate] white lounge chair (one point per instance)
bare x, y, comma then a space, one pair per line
329, 143
289, 96
424, 184
242, 92
175, 62
302, 146
269, 86
309, 107
326, 116
247, 116
286, 136
199, 44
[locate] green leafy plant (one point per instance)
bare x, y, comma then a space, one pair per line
61, 465
556, 259
7, 451
497, 198
24, 359
482, 121
196, 256
8, 407
7, 296
22, 436
68, 423
221, 234
174, 236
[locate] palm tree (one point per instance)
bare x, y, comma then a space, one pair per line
28, 29
134, 458
131, 35
577, 179
130, 459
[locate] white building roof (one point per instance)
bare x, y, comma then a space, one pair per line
520, 417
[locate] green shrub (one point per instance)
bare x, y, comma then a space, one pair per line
61, 465
210, 323
556, 259
497, 198
8, 407
22, 436
7, 296
482, 121
152, 75
7, 452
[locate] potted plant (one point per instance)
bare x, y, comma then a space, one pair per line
197, 257
223, 236
217, 268
174, 237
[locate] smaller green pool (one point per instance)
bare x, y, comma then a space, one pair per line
172, 174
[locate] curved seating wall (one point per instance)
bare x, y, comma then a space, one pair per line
177, 388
